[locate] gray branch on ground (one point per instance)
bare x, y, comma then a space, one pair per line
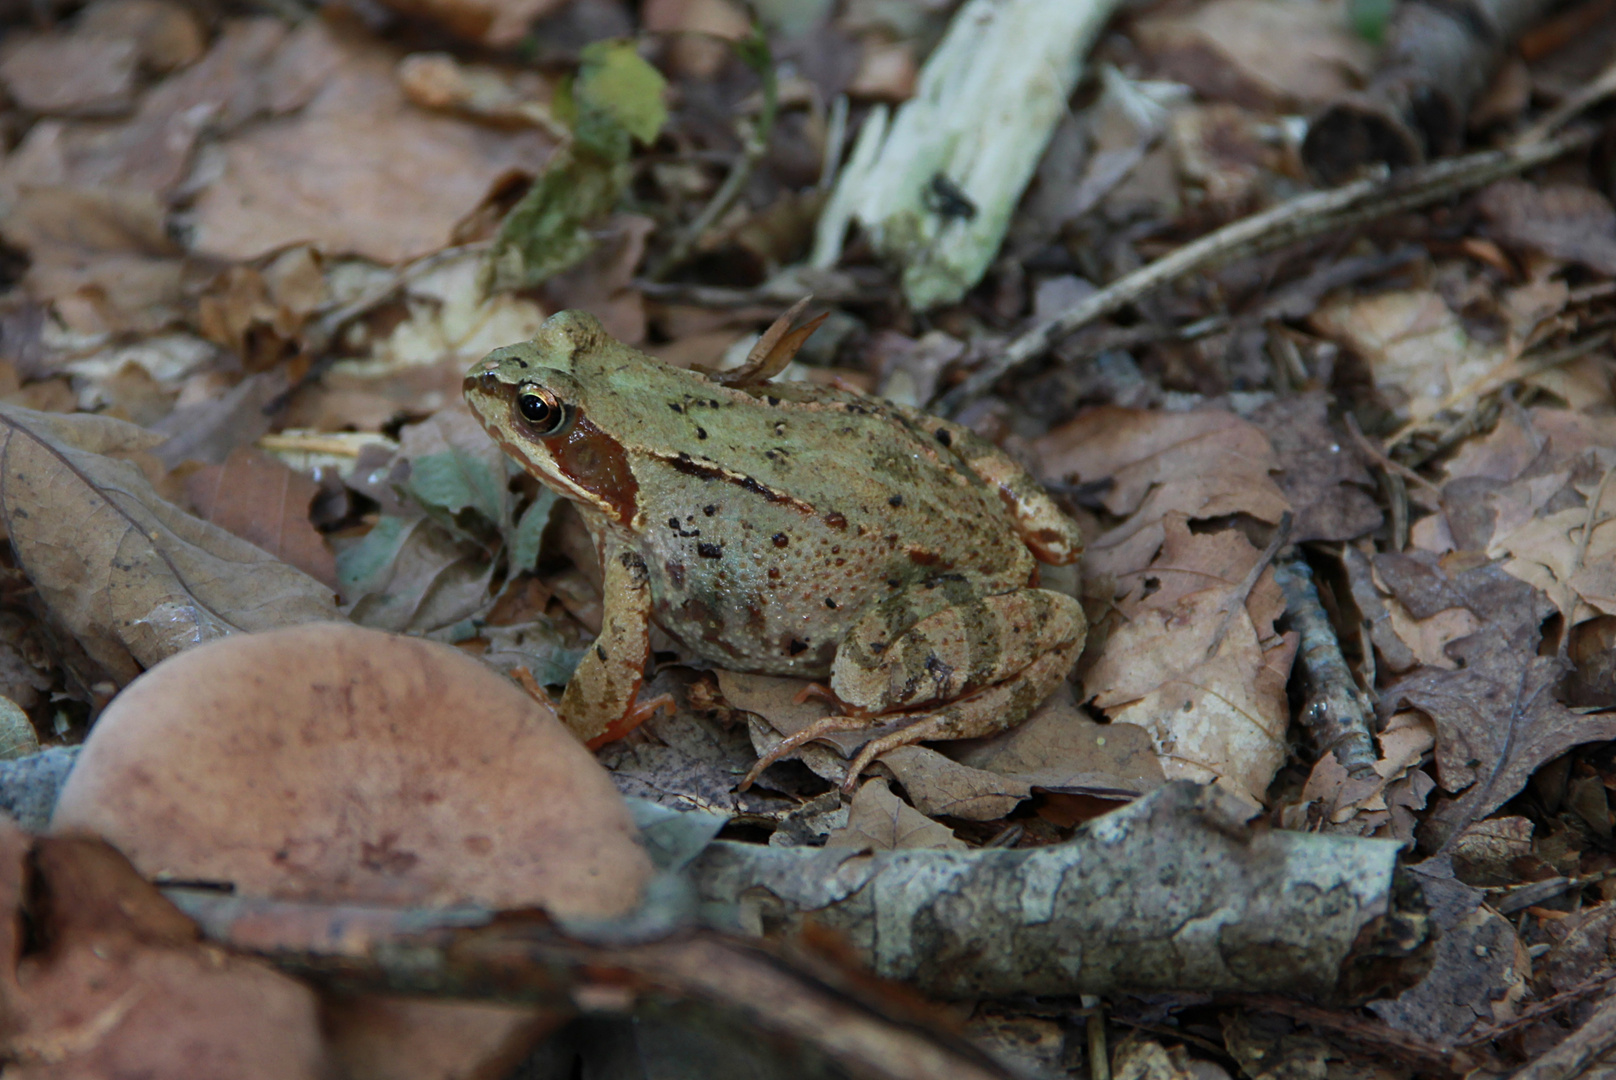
1176, 892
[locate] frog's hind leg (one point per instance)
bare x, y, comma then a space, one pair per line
988, 712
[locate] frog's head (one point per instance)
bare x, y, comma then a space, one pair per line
533, 399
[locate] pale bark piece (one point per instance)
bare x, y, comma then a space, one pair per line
987, 101
132, 577
335, 763
1174, 892
126, 989
357, 171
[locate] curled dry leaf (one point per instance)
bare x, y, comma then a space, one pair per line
1218, 716
125, 988
333, 763
132, 577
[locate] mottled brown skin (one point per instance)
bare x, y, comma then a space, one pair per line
784, 529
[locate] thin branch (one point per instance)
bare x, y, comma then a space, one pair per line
1578, 1051
1335, 714
1305, 216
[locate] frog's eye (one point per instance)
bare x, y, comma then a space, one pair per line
540, 408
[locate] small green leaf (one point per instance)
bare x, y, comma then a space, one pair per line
370, 561
530, 531
613, 80
548, 230
453, 480
1370, 17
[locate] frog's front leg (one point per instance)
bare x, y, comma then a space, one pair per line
600, 702
947, 662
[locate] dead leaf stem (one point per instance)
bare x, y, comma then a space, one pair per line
1296, 219
1236, 600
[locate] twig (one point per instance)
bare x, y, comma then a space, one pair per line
1577, 1051
754, 145
1335, 714
1374, 1034
1297, 219
1538, 1010
1598, 90
1592, 522
1099, 1054
1236, 600
1379, 457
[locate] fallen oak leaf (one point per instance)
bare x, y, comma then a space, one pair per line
267, 504
132, 577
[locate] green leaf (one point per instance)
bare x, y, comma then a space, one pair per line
615, 82
453, 480
530, 531
548, 230
1369, 18
370, 561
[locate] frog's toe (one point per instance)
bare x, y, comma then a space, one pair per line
821, 727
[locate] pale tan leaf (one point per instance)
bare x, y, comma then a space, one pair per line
880, 821
132, 577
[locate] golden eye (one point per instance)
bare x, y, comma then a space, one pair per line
540, 408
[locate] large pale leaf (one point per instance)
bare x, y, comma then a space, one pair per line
131, 576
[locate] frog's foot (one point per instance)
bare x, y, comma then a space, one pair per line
639, 714
816, 691
824, 726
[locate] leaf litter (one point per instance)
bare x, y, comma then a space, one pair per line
245, 261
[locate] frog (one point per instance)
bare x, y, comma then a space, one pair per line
789, 528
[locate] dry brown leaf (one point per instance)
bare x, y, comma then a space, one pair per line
1059, 748
346, 172
500, 23
1376, 807
125, 988
101, 256
1496, 716
880, 821
132, 577
1202, 464
1259, 53
938, 785
1214, 719
424, 581
1422, 359
70, 74
1571, 222
266, 504
1322, 472
152, 151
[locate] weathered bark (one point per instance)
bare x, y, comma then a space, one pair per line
1439, 56
1175, 892
1336, 714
